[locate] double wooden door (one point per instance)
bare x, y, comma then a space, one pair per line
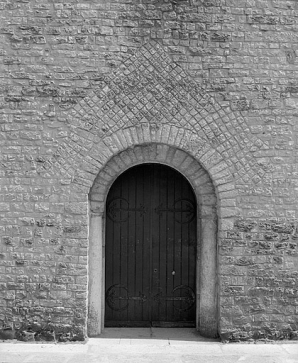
150, 249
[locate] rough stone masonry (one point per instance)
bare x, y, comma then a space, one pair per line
87, 83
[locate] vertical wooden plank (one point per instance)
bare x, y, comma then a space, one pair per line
162, 218
123, 245
171, 265
137, 269
192, 251
177, 226
157, 255
146, 241
130, 246
109, 263
154, 270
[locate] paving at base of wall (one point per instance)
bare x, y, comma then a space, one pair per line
144, 345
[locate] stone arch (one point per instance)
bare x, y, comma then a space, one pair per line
188, 143
208, 212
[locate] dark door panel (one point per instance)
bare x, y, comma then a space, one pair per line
150, 249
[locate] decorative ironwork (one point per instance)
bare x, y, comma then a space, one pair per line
184, 210
118, 210
187, 300
118, 293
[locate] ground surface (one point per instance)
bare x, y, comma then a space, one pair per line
148, 345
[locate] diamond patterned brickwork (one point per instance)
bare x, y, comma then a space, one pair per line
149, 89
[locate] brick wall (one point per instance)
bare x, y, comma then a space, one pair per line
215, 78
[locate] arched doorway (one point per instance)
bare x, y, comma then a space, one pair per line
206, 220
151, 249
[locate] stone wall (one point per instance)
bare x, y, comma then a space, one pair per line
82, 81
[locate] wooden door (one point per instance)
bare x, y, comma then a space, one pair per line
150, 249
